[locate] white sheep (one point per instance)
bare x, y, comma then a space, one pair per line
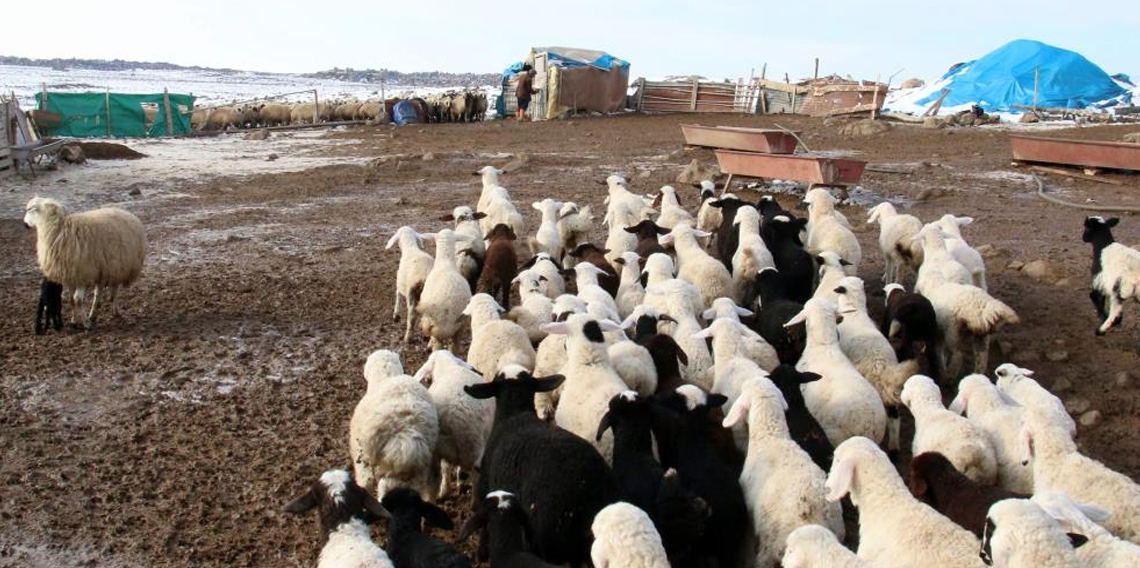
671, 210
591, 380
490, 177
938, 265
464, 422
895, 529
752, 255
552, 283
871, 353
586, 278
624, 208
624, 537
495, 342
630, 292
574, 224
345, 510
783, 487
1001, 420
829, 230
1020, 534
832, 269
660, 271
468, 254
534, 307
99, 249
1058, 466
415, 265
445, 295
634, 365
756, 347
618, 242
501, 211
548, 239
394, 429
673, 298
1117, 281
1018, 385
961, 250
939, 430
896, 239
601, 311
696, 266
814, 546
1103, 550
709, 218
732, 366
843, 402
550, 356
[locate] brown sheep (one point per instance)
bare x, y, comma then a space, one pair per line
500, 264
274, 114
588, 252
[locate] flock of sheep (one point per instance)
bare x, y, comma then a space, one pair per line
704, 389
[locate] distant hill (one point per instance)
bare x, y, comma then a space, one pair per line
418, 78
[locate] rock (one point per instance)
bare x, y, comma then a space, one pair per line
865, 128
1061, 385
1090, 418
912, 84
675, 155
430, 156
1041, 270
1134, 138
1028, 118
1064, 283
696, 171
522, 159
72, 154
1028, 356
1015, 265
989, 251
272, 158
834, 121
261, 134
134, 192
929, 194
1057, 356
933, 123
1122, 380
1077, 405
645, 174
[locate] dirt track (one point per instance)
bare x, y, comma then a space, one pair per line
173, 436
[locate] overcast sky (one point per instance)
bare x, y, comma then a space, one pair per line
715, 38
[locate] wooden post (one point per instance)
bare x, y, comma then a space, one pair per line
43, 86
875, 99
640, 94
693, 100
169, 117
107, 105
791, 95
1036, 86
316, 107
760, 91
816, 76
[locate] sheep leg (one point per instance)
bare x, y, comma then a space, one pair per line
77, 297
981, 354
94, 308
396, 309
952, 354
1098, 301
1115, 311
408, 324
894, 428
444, 479
114, 292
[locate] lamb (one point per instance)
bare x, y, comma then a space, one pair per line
938, 264
535, 308
491, 187
587, 279
624, 537
962, 251
755, 346
409, 546
634, 364
509, 534
897, 232
1103, 550
558, 475
1058, 466
910, 319
1115, 270
415, 265
708, 215
782, 486
1018, 386
630, 292
727, 236
495, 343
49, 307
871, 353
1001, 419
832, 269
732, 367
550, 356
845, 404
776, 308
667, 355
619, 240
394, 429
782, 234
828, 230
696, 266
101, 249
751, 255
552, 283
500, 211
769, 208
937, 429
624, 207
647, 232
445, 294
464, 423
592, 380
803, 428
814, 546
895, 529
501, 265
548, 239
574, 224
1019, 534
468, 254
598, 257
671, 211
659, 273
673, 299
345, 511
936, 482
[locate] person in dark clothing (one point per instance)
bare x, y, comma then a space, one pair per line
524, 90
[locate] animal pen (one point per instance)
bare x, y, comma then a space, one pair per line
113, 115
825, 97
569, 80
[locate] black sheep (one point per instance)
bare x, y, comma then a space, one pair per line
553, 472
776, 309
508, 529
910, 319
936, 482
49, 308
647, 232
803, 428
588, 252
408, 546
782, 235
728, 235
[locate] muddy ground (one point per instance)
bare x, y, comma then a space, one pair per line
172, 436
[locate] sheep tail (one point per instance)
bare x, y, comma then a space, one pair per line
993, 314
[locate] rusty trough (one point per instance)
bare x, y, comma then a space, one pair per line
815, 170
1089, 154
744, 139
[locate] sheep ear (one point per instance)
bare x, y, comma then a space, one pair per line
709, 313
608, 325
963, 221
1112, 222
703, 334
701, 234
809, 377
716, 400
667, 317
958, 405
666, 239
1077, 540
424, 372
604, 424
1094, 513
479, 215
448, 217
620, 261
537, 206
744, 312
839, 479
797, 319
482, 390
549, 383
632, 229
373, 506
436, 516
738, 411
426, 236
302, 503
555, 328
392, 241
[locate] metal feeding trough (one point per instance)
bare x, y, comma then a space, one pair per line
1089, 154
744, 139
815, 170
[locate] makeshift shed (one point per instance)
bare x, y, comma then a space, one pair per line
95, 115
569, 80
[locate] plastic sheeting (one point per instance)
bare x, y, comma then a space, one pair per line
1005, 77
85, 115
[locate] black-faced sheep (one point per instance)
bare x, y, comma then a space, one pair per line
508, 530
647, 232
1115, 270
782, 235
803, 428
910, 319
771, 292
345, 511
407, 544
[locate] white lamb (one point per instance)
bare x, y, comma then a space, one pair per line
624, 537
624, 208
936, 429
709, 218
828, 230
1103, 550
671, 210
501, 211
415, 265
1001, 420
630, 292
895, 529
871, 353
618, 242
468, 254
446, 294
673, 299
491, 186
832, 269
756, 347
548, 239
814, 546
591, 380
1020, 534
586, 277
961, 250
783, 487
1058, 466
843, 401
896, 239
100, 249
495, 342
938, 264
660, 271
752, 255
464, 422
534, 308
634, 365
695, 266
393, 432
552, 283
1018, 385
574, 224
550, 356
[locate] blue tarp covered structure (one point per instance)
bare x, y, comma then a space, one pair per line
1005, 78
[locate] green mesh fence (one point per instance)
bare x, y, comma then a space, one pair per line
101, 115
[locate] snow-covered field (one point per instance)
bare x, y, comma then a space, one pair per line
210, 87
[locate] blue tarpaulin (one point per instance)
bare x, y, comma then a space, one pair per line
1005, 78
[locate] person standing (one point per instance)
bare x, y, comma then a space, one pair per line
524, 90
